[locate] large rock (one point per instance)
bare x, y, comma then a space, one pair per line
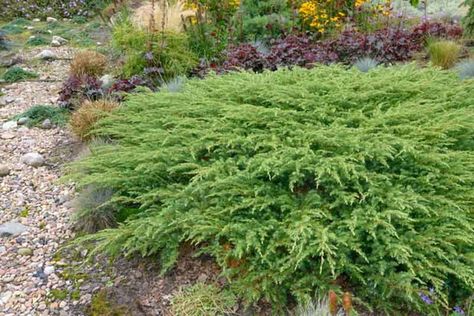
4, 170
12, 229
46, 55
33, 160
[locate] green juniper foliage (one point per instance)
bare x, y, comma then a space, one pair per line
38, 113
295, 179
16, 74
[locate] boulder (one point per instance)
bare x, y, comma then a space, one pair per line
33, 160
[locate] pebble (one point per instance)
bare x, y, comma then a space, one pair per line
25, 252
51, 19
46, 124
22, 121
4, 170
48, 270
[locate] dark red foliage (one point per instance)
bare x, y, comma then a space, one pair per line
429, 29
299, 50
386, 45
126, 85
245, 56
76, 89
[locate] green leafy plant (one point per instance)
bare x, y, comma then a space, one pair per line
293, 179
203, 300
444, 54
38, 113
16, 74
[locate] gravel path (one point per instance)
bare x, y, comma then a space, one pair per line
32, 200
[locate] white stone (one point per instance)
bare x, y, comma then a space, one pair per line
51, 19
36, 20
12, 229
55, 43
9, 125
48, 270
60, 39
33, 159
46, 55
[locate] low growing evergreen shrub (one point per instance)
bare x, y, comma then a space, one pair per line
298, 182
38, 113
16, 74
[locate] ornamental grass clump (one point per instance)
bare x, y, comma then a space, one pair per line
301, 181
88, 63
444, 54
89, 113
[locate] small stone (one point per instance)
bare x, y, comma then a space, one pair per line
22, 121
9, 100
46, 55
12, 229
107, 81
60, 40
9, 125
25, 252
42, 307
30, 28
4, 170
33, 160
55, 43
47, 124
51, 19
48, 270
2, 250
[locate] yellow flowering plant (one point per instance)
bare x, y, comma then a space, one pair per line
324, 16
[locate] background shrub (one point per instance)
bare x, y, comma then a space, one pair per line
292, 178
88, 63
83, 119
444, 54
468, 20
161, 56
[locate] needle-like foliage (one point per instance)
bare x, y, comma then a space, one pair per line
301, 181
